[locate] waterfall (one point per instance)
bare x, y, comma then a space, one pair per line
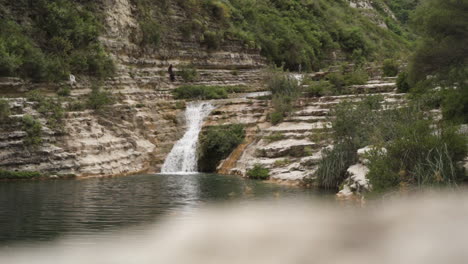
183, 156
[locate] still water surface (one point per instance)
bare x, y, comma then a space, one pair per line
36, 211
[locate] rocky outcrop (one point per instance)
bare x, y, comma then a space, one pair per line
146, 67
357, 182
122, 141
137, 133
292, 149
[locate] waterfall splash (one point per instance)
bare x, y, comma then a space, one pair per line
183, 156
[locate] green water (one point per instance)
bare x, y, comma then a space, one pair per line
36, 211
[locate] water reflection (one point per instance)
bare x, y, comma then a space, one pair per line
46, 210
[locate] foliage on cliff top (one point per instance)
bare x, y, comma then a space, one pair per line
47, 40
297, 34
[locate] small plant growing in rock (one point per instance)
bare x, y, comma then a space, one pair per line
276, 118
258, 172
4, 110
282, 162
64, 91
402, 82
33, 129
12, 175
390, 68
212, 40
274, 137
318, 89
98, 99
188, 73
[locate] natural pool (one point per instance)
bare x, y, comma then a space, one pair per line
35, 211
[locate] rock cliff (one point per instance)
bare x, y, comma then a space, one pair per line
137, 133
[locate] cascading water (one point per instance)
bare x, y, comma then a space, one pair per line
183, 156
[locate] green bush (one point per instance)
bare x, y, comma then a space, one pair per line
338, 82
442, 50
274, 137
258, 172
218, 10
416, 153
13, 175
318, 89
402, 83
356, 77
4, 110
333, 166
276, 118
51, 108
151, 31
98, 99
419, 157
285, 90
60, 37
200, 92
64, 91
455, 105
216, 143
236, 88
390, 68
188, 73
33, 129
212, 40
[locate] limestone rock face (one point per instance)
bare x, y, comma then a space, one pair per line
147, 67
137, 133
129, 140
293, 149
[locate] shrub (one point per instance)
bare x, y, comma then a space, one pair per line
390, 68
12, 175
274, 137
416, 153
282, 84
64, 91
402, 83
98, 99
455, 105
338, 82
216, 143
285, 90
200, 92
50, 107
236, 88
258, 172
212, 40
276, 118
333, 166
218, 10
318, 89
33, 129
151, 32
356, 77
4, 110
188, 73
420, 157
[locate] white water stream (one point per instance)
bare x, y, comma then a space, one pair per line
183, 156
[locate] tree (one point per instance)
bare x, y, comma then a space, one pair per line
442, 53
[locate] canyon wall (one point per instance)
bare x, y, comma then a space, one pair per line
136, 133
